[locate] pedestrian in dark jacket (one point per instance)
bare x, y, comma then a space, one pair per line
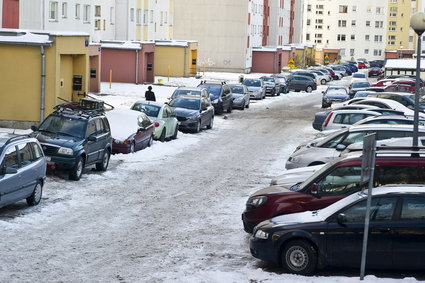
149, 94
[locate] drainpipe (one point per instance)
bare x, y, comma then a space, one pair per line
137, 66
184, 65
43, 82
274, 63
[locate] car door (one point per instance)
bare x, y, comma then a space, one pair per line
145, 131
10, 177
344, 240
206, 113
227, 96
168, 121
408, 233
92, 146
28, 169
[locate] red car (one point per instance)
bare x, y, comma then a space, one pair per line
384, 82
329, 184
131, 130
398, 87
375, 72
361, 65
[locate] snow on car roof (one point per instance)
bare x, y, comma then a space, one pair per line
123, 122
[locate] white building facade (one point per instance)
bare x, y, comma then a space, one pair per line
357, 28
279, 22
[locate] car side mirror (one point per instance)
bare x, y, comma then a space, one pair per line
34, 128
340, 147
341, 219
204, 108
92, 139
10, 170
314, 189
173, 115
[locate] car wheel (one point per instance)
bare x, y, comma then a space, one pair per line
243, 105
211, 123
162, 137
247, 106
198, 127
150, 142
299, 257
103, 164
176, 130
309, 89
35, 197
323, 82
220, 109
77, 170
132, 147
230, 108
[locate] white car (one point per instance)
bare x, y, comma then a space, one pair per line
385, 103
393, 142
338, 119
358, 77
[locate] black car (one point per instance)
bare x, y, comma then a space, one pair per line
75, 136
334, 94
220, 95
193, 112
282, 81
301, 83
272, 85
303, 242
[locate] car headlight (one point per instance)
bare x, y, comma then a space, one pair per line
214, 101
238, 99
66, 151
260, 234
193, 118
256, 201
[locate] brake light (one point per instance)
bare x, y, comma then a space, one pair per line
156, 124
328, 119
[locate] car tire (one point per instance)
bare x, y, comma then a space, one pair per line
299, 257
247, 106
35, 197
309, 89
77, 171
176, 131
211, 124
103, 164
220, 109
132, 147
198, 127
230, 108
323, 81
243, 106
150, 142
162, 137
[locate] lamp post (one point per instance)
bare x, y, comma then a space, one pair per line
417, 23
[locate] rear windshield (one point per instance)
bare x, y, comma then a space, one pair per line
150, 110
252, 82
237, 89
178, 92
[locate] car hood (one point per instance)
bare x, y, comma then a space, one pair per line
254, 88
336, 96
290, 220
294, 176
183, 112
272, 190
56, 139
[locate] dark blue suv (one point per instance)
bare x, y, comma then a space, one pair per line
22, 169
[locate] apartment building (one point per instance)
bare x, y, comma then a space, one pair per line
297, 13
399, 34
356, 28
279, 22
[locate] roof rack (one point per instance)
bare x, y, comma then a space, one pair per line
86, 107
213, 82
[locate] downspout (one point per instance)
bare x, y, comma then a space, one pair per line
137, 66
275, 62
184, 65
43, 82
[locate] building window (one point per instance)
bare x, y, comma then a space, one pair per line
379, 24
342, 23
368, 23
308, 22
354, 8
64, 9
366, 37
97, 11
165, 18
86, 13
366, 51
342, 52
307, 37
343, 9
151, 17
379, 10
112, 15
410, 38
77, 11
393, 15
53, 10
319, 21
377, 52
378, 38
132, 14
351, 52
391, 28
393, 23
341, 37
309, 8
138, 16
161, 18
97, 24
353, 37
145, 17
393, 9
353, 23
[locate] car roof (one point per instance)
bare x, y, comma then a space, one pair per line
190, 88
383, 127
155, 103
354, 111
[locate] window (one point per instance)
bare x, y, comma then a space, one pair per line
97, 11
132, 14
307, 36
393, 15
354, 8
377, 52
353, 37
319, 12
319, 21
342, 23
25, 154
53, 10
343, 180
366, 37
353, 23
97, 24
11, 158
379, 10
308, 22
138, 16
309, 8
145, 17
381, 209
342, 51
413, 208
151, 16
86, 13
112, 15
64, 9
341, 37
77, 11
393, 23
368, 23
378, 38
392, 29
161, 18
366, 51
343, 8
165, 18
391, 37
379, 24
38, 153
393, 9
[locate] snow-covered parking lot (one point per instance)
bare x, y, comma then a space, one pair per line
168, 213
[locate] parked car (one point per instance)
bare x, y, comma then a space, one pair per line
363, 93
375, 72
193, 112
334, 94
386, 103
361, 65
395, 233
330, 147
406, 99
165, 121
383, 82
335, 75
282, 79
338, 119
339, 69
358, 86
241, 96
301, 83
131, 130
190, 91
323, 79
333, 181
390, 119
220, 95
76, 136
307, 74
272, 85
358, 77
296, 175
255, 87
22, 169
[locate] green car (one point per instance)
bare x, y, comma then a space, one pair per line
166, 123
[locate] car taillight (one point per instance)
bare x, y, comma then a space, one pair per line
328, 119
156, 124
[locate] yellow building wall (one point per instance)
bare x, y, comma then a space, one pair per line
403, 25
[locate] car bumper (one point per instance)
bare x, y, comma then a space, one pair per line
238, 104
61, 162
256, 95
188, 125
120, 148
269, 90
264, 249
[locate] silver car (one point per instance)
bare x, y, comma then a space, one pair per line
240, 95
256, 88
330, 147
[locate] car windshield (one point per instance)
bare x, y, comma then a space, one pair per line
361, 84
339, 91
64, 125
268, 79
237, 89
187, 103
301, 185
178, 92
252, 82
150, 110
212, 89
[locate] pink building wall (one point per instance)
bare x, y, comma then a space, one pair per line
95, 68
10, 14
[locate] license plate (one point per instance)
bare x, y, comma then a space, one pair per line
48, 158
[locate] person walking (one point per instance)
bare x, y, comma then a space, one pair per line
149, 94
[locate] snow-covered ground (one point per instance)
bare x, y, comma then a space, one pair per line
168, 213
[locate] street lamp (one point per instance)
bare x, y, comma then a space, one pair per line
417, 23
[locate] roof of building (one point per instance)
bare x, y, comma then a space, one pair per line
404, 64
33, 37
181, 43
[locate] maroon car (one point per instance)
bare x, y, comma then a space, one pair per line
329, 184
131, 130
